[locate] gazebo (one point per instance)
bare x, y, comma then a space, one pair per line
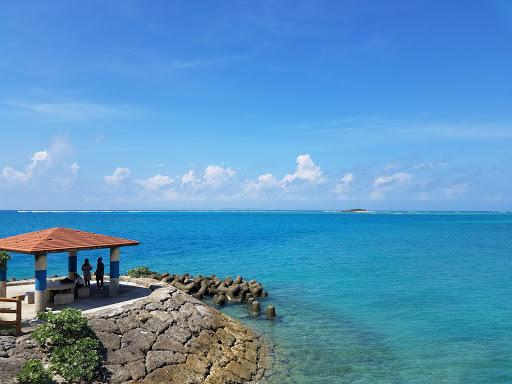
55, 240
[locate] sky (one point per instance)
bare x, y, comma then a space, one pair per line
390, 105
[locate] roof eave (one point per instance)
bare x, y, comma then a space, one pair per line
60, 250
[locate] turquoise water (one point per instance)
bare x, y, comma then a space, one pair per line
361, 298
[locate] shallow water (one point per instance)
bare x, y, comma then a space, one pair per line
361, 298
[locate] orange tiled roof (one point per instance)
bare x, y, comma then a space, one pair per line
60, 240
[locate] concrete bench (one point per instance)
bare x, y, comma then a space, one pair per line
63, 298
84, 292
29, 297
56, 287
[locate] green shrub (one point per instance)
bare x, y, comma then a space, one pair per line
77, 362
61, 329
74, 349
140, 272
33, 372
4, 258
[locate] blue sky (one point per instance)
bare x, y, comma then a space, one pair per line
256, 104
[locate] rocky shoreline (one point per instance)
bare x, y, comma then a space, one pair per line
166, 337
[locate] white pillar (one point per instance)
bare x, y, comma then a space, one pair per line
72, 264
113, 287
40, 296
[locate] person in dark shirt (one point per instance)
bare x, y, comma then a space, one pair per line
100, 271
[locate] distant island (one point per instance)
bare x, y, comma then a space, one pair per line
355, 210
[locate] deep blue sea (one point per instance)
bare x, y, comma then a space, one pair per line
390, 297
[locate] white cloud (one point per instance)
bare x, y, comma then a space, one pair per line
156, 182
38, 160
264, 182
213, 178
10, 174
306, 171
388, 181
216, 176
189, 178
74, 168
120, 174
267, 180
40, 157
384, 183
343, 185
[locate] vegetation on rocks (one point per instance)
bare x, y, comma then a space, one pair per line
61, 329
72, 345
77, 362
138, 272
33, 372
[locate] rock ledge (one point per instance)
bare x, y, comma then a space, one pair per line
166, 337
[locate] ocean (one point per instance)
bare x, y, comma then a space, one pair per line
384, 297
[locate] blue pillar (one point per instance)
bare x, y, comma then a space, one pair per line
40, 283
72, 264
3, 282
114, 271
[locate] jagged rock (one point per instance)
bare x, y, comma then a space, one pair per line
168, 343
238, 370
104, 325
179, 333
180, 373
198, 364
225, 337
139, 338
127, 324
109, 340
158, 359
118, 374
125, 356
156, 325
137, 369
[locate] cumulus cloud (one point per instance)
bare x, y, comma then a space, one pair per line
38, 160
264, 182
156, 182
306, 171
343, 185
189, 178
120, 174
216, 176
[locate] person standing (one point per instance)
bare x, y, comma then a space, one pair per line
100, 271
86, 269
